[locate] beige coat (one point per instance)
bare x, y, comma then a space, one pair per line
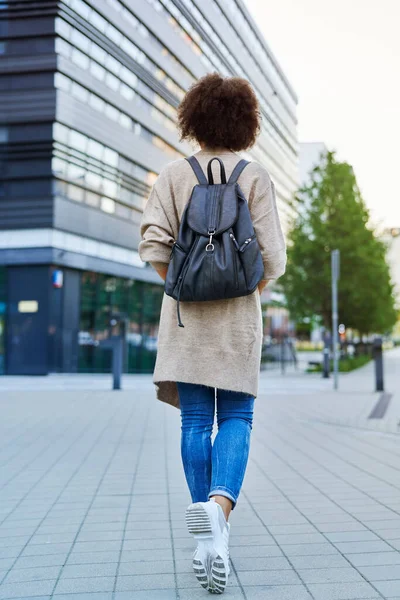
220, 345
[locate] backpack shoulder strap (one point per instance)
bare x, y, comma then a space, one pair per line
237, 170
198, 171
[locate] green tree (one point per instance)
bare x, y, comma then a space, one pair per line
330, 214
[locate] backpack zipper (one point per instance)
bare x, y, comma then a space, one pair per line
247, 242
175, 244
235, 258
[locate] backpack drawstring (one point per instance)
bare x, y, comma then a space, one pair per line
177, 305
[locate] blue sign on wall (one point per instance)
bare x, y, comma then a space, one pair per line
57, 278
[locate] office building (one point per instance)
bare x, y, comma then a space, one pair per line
87, 120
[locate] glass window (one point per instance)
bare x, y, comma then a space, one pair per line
58, 166
81, 8
61, 82
62, 47
115, 4
129, 48
97, 70
75, 173
111, 112
3, 134
125, 121
78, 141
97, 103
113, 65
60, 188
95, 149
110, 188
110, 157
80, 59
98, 53
92, 199
98, 21
93, 180
127, 92
79, 92
138, 301
80, 40
123, 211
3, 308
128, 77
63, 28
107, 205
112, 82
114, 34
60, 133
76, 193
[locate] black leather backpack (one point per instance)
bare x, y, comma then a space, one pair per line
216, 255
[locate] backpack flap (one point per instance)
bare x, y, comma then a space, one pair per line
212, 208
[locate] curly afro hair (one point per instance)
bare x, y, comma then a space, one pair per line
220, 112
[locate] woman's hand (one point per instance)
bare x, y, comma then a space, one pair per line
262, 284
162, 272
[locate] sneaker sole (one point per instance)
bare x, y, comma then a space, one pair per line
218, 574
211, 576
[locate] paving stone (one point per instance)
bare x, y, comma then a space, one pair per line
282, 577
40, 549
144, 582
90, 570
357, 547
300, 538
89, 596
308, 549
260, 564
330, 575
374, 559
388, 588
279, 592
84, 584
319, 562
342, 591
149, 595
33, 574
26, 589
150, 567
257, 551
352, 536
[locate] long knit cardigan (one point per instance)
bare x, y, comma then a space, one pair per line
220, 345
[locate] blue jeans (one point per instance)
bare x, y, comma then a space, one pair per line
216, 469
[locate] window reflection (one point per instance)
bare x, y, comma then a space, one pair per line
140, 302
95, 171
3, 307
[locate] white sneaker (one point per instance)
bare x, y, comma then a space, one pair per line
206, 522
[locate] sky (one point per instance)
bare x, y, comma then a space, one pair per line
343, 59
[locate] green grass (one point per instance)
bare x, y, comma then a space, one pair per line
345, 364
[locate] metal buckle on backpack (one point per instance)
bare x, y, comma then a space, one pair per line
210, 245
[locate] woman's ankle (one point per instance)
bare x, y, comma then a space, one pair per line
225, 503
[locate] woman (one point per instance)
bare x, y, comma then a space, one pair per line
217, 354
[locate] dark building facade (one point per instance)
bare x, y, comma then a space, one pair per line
89, 91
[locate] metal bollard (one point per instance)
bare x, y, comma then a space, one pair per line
116, 344
378, 357
283, 345
326, 357
117, 360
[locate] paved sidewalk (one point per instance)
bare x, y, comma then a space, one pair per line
92, 494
